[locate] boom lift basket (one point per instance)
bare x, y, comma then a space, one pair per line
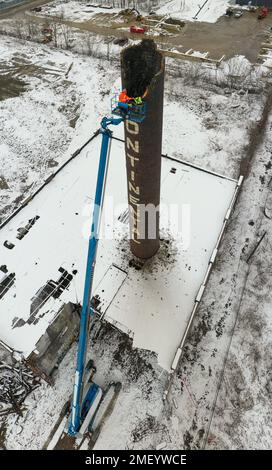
130, 110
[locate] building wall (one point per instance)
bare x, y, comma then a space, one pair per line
55, 342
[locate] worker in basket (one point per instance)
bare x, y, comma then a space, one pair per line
125, 102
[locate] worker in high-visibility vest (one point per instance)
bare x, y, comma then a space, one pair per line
123, 97
138, 100
125, 102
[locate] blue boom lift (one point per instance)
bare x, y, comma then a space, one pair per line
87, 395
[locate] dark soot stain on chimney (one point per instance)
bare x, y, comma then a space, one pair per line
140, 64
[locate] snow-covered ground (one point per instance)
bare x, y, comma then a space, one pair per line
47, 111
266, 56
206, 125
36, 137
180, 9
220, 397
74, 11
189, 9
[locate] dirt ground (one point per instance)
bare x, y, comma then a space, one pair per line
229, 36
10, 87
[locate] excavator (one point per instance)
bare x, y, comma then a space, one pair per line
87, 395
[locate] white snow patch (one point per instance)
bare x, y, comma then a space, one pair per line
188, 9
74, 11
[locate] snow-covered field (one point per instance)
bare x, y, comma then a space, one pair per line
266, 57
189, 9
74, 11
36, 137
180, 9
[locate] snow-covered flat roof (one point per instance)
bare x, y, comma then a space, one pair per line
152, 304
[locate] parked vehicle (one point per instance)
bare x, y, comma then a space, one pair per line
263, 13
238, 14
37, 9
138, 29
229, 12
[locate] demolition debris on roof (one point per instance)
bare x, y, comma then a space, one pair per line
15, 384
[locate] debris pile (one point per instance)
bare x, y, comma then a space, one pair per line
15, 384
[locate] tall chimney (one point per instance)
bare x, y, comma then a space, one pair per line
142, 69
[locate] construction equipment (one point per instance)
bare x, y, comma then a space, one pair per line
263, 13
229, 12
238, 14
87, 395
139, 16
138, 29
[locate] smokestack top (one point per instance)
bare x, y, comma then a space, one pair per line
140, 64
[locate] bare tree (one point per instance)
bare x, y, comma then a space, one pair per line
31, 27
61, 16
66, 33
89, 44
55, 31
18, 26
193, 72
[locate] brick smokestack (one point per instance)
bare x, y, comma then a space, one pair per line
143, 69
